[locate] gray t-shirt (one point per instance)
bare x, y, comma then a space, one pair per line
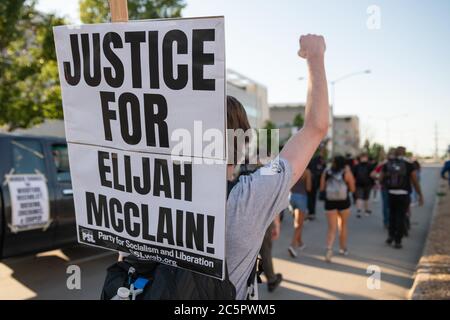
252, 205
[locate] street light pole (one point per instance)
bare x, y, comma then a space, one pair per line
332, 107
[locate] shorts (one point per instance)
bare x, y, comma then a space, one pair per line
337, 204
299, 201
363, 193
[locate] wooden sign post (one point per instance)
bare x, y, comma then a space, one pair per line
119, 10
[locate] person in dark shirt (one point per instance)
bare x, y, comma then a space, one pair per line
316, 166
399, 177
445, 170
364, 184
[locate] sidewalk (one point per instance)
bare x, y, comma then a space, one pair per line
309, 277
433, 271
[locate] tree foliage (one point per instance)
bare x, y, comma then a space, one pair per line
29, 82
374, 150
29, 86
97, 11
298, 121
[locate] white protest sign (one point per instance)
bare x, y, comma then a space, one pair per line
126, 88
29, 200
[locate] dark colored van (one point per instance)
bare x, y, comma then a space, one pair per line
20, 154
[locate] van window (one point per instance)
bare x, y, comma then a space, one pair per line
61, 160
27, 156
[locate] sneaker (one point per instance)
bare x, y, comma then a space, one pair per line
328, 255
271, 286
292, 252
301, 247
368, 213
398, 245
343, 252
389, 241
311, 217
358, 214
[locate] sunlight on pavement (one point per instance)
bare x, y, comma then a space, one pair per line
11, 288
54, 253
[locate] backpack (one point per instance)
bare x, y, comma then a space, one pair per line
157, 281
363, 175
396, 174
336, 187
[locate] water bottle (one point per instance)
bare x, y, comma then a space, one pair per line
122, 294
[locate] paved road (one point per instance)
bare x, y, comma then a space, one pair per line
310, 277
43, 276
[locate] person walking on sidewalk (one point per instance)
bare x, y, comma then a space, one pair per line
316, 166
266, 262
376, 174
446, 170
364, 184
399, 177
336, 183
299, 201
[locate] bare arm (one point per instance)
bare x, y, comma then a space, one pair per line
350, 179
276, 227
322, 182
416, 186
301, 147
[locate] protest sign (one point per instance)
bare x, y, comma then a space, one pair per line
29, 201
127, 89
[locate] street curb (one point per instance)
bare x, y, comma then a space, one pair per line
422, 273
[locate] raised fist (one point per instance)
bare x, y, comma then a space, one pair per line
311, 46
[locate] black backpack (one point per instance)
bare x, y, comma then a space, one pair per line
396, 174
162, 282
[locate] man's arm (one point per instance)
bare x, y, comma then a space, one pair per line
416, 186
299, 150
276, 227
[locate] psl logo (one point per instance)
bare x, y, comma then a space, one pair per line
374, 20
374, 280
87, 235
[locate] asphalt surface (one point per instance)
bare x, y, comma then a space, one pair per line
44, 276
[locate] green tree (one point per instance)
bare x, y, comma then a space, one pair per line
97, 11
298, 121
29, 82
374, 150
29, 86
10, 13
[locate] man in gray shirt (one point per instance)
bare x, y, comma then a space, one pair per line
256, 199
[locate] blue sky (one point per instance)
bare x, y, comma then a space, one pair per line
409, 57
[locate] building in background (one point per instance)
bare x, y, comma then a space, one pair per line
252, 95
282, 115
346, 135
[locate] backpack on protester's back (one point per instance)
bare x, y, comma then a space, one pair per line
336, 187
396, 174
157, 281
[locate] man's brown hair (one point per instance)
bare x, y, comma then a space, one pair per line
236, 119
236, 115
